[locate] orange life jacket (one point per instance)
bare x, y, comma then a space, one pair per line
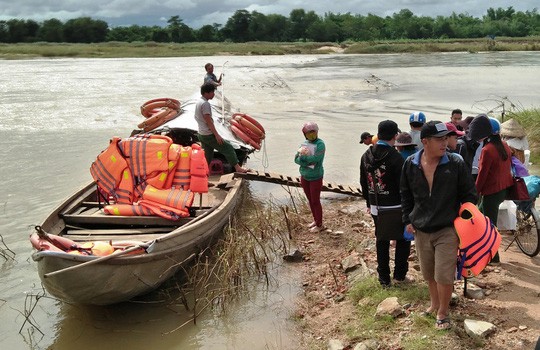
126, 210
108, 171
147, 157
199, 171
163, 210
479, 240
182, 176
174, 197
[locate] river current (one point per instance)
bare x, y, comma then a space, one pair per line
57, 115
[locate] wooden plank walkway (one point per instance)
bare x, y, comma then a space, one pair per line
295, 181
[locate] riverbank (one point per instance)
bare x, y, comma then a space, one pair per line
116, 49
341, 294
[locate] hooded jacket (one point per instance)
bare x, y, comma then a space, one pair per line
380, 170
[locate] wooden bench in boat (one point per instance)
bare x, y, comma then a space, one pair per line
90, 213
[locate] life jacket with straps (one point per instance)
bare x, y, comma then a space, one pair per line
164, 178
126, 210
199, 170
170, 204
174, 197
182, 176
164, 211
147, 157
111, 173
479, 240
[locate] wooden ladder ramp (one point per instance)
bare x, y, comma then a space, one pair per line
256, 175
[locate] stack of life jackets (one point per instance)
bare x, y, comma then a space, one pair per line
150, 175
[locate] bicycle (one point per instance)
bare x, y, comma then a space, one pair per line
527, 232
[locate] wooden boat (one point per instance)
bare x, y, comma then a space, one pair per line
107, 280
150, 249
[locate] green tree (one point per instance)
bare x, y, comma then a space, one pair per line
130, 34
300, 21
160, 35
20, 30
51, 30
278, 28
85, 30
206, 33
325, 30
174, 28
375, 28
352, 26
4, 32
237, 26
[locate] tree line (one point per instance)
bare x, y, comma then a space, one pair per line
244, 26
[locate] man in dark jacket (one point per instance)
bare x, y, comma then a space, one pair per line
380, 170
434, 184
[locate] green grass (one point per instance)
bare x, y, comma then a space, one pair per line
530, 121
114, 49
368, 293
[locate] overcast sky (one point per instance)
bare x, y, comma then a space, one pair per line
196, 13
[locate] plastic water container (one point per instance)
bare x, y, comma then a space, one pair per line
507, 219
527, 157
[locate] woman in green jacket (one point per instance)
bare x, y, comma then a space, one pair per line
310, 157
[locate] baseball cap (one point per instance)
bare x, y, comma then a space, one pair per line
453, 129
387, 129
309, 126
434, 128
364, 136
417, 117
404, 139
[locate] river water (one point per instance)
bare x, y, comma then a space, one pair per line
57, 115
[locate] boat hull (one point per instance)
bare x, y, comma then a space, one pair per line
122, 278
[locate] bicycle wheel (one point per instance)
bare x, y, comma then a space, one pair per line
528, 232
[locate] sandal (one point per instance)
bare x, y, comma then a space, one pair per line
443, 324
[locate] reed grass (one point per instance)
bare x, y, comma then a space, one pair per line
530, 121
5, 252
116, 49
251, 247
445, 45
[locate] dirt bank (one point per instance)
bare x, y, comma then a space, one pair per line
326, 311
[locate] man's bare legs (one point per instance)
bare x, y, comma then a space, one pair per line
440, 296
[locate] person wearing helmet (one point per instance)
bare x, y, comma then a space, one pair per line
310, 157
416, 121
494, 167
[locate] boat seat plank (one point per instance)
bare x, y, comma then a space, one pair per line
114, 220
122, 232
113, 238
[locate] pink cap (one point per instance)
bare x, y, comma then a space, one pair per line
453, 130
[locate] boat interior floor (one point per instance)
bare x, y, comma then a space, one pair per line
87, 221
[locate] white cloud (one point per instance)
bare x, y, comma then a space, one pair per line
196, 13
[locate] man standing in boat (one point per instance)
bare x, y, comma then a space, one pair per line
208, 135
210, 77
